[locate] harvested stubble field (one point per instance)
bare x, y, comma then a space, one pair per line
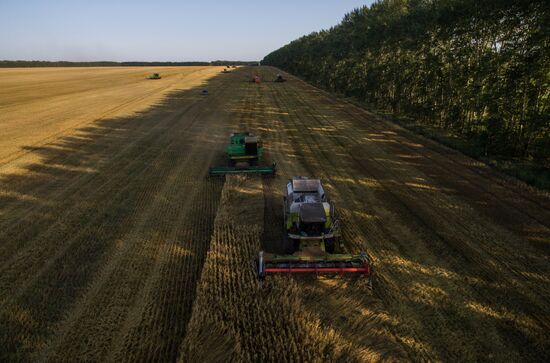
114, 245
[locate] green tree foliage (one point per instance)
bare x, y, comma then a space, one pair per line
480, 69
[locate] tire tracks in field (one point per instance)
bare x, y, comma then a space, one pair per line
48, 140
143, 160
115, 181
296, 96
128, 151
171, 312
436, 159
86, 233
519, 188
311, 158
143, 133
255, 118
168, 210
522, 193
350, 197
121, 163
315, 162
466, 231
398, 177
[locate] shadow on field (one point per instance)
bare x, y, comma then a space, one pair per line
460, 255
83, 233
101, 245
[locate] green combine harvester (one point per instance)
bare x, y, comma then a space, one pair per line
154, 76
243, 154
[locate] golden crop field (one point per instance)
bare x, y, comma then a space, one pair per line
115, 245
38, 105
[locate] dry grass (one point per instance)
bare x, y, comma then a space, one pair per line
461, 254
237, 319
99, 239
112, 238
38, 105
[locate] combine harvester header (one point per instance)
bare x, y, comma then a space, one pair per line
263, 170
335, 263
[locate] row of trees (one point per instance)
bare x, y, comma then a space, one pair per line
24, 63
480, 69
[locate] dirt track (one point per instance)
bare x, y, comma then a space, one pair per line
104, 235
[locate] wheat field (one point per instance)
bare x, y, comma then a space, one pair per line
115, 245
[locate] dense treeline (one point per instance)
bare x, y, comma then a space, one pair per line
23, 63
233, 63
479, 69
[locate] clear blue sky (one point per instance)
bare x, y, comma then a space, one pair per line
164, 30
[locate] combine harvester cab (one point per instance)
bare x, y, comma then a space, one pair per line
312, 232
243, 154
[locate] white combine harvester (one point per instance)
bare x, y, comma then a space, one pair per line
312, 233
